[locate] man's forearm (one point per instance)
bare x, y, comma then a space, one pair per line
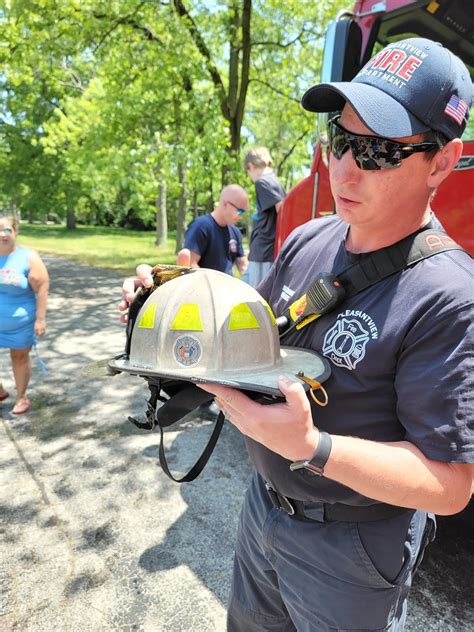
399, 474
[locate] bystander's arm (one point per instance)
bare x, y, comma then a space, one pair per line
195, 258
39, 280
188, 258
242, 264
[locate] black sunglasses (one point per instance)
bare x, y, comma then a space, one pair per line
373, 152
240, 211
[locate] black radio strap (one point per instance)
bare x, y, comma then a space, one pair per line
382, 263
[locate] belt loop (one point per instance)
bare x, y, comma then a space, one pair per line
273, 495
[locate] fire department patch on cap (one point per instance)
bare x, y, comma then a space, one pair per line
187, 350
412, 86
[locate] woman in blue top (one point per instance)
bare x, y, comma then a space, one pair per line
24, 285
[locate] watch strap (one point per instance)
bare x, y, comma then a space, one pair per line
319, 459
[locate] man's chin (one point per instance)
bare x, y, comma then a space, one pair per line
347, 215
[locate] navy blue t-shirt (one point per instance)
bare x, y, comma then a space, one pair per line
401, 355
269, 192
218, 246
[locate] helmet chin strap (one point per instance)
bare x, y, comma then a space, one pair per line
178, 398
182, 398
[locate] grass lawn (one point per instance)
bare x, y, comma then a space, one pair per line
114, 248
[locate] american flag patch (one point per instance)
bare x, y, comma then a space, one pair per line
456, 109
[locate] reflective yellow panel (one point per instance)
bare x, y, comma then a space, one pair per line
272, 316
188, 318
242, 317
147, 321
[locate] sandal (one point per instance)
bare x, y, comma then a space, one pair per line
5, 396
21, 407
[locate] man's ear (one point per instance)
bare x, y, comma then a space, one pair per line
444, 162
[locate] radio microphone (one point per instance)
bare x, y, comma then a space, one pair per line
325, 293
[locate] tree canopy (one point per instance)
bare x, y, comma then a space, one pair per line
136, 113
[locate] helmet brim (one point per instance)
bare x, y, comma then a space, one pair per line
293, 359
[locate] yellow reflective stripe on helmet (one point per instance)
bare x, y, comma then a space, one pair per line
147, 321
272, 315
296, 308
242, 317
188, 318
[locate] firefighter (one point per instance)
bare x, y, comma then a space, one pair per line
213, 241
342, 503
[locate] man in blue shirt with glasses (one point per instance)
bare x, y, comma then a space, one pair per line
213, 241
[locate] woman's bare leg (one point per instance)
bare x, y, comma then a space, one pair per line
21, 364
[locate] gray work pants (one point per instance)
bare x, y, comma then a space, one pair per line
314, 576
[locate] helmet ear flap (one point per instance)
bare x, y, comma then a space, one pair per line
185, 398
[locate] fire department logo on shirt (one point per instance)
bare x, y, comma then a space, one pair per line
346, 341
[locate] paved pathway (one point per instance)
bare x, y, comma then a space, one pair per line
93, 536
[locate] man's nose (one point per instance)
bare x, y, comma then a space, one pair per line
344, 170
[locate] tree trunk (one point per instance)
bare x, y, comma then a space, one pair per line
232, 101
195, 204
181, 215
161, 239
70, 219
210, 202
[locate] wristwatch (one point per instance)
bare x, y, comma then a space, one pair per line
316, 463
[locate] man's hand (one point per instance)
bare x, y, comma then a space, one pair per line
130, 287
285, 428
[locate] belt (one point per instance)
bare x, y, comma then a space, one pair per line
332, 512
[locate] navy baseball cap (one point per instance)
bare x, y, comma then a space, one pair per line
410, 87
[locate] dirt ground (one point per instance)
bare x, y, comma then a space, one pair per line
93, 535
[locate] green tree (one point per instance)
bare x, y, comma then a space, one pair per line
109, 108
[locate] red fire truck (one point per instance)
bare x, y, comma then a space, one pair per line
350, 42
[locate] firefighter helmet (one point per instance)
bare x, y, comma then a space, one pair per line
210, 327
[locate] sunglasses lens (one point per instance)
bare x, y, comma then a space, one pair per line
338, 141
372, 153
